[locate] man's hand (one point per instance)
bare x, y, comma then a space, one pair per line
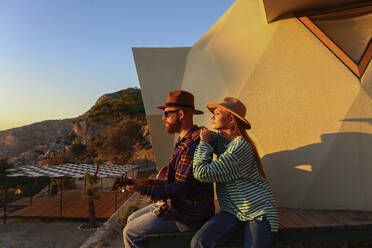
205, 134
136, 186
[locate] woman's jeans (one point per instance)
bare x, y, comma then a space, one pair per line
217, 229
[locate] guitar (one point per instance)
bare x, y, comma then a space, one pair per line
122, 181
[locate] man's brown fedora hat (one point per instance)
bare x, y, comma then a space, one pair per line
180, 99
232, 105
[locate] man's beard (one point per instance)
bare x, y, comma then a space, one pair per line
174, 127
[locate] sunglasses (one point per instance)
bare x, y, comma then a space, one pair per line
166, 113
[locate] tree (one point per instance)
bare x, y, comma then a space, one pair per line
129, 103
91, 194
77, 148
4, 166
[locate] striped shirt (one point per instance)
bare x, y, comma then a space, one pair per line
240, 188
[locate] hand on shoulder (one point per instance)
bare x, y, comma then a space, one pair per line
205, 134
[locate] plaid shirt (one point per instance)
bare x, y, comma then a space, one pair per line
186, 199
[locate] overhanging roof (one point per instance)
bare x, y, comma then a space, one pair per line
71, 170
274, 9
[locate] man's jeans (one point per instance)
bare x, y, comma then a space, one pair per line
145, 221
217, 229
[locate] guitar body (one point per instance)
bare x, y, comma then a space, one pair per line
162, 174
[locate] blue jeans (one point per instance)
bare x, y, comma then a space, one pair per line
145, 221
217, 229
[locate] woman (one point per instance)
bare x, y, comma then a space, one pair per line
243, 192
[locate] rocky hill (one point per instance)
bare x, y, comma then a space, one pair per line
18, 140
114, 130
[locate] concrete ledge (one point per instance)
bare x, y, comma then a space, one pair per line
110, 228
282, 238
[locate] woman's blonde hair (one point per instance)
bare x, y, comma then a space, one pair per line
240, 129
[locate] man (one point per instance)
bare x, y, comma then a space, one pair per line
183, 203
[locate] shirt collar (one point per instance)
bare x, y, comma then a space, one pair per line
189, 133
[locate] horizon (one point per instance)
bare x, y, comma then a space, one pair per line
58, 58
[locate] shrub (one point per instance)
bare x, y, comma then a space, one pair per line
77, 148
128, 210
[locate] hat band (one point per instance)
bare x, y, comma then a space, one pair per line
171, 104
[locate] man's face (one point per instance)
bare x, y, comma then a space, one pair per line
171, 120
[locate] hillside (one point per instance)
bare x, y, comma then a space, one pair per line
113, 130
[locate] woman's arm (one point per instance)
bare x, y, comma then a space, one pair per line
226, 167
215, 139
218, 143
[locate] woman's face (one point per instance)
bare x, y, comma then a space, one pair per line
221, 119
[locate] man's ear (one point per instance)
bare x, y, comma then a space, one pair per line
181, 114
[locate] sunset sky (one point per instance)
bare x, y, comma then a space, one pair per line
58, 57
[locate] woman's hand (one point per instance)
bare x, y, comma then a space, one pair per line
205, 134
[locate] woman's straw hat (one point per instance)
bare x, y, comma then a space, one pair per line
232, 105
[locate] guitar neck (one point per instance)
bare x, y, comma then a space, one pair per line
123, 181
146, 180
